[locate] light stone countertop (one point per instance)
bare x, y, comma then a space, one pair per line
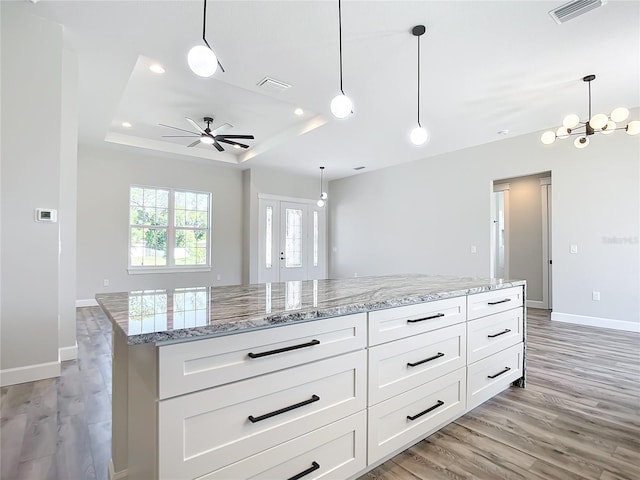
182, 314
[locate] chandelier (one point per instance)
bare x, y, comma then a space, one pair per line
598, 123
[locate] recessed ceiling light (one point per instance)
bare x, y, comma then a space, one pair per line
126, 124
157, 68
503, 132
298, 111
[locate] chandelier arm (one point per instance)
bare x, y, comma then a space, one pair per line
204, 34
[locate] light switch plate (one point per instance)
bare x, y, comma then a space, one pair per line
573, 249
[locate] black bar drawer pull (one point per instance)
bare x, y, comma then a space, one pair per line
506, 369
285, 349
439, 404
499, 301
425, 360
506, 330
314, 466
252, 419
437, 315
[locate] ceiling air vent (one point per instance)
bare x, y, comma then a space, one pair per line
273, 85
574, 9
358, 168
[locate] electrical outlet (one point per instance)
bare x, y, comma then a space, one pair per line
573, 249
474, 249
595, 296
218, 277
355, 275
105, 282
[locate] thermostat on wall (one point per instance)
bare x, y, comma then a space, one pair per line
46, 215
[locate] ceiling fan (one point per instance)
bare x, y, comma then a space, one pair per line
208, 136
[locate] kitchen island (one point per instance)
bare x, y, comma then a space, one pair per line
303, 379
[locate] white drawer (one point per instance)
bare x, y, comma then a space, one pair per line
335, 451
490, 376
206, 430
487, 303
400, 322
488, 335
431, 406
399, 366
200, 364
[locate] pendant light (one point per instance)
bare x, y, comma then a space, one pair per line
323, 194
598, 123
419, 134
341, 105
201, 59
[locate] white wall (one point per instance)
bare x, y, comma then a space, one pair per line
275, 182
31, 168
424, 216
104, 177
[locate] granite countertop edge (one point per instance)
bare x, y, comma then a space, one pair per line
280, 319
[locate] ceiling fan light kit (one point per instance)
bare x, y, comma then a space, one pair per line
341, 105
419, 134
210, 137
598, 123
202, 59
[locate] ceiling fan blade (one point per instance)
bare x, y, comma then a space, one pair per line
218, 146
180, 136
233, 143
176, 128
222, 128
248, 137
195, 125
194, 143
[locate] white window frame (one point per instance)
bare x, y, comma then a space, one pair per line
170, 267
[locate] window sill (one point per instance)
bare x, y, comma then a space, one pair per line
154, 270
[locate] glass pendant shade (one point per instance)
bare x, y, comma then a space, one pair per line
341, 106
619, 114
581, 142
562, 133
206, 139
598, 121
548, 137
320, 203
571, 120
633, 128
418, 136
323, 196
609, 127
202, 61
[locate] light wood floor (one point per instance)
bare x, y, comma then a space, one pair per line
579, 416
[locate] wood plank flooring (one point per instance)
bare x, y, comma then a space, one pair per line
578, 418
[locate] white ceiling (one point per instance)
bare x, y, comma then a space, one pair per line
487, 66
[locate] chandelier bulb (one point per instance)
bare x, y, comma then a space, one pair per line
598, 121
609, 127
563, 132
619, 114
548, 137
571, 121
633, 128
320, 203
581, 142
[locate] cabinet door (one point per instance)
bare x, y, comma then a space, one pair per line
204, 431
400, 322
489, 335
488, 303
335, 451
396, 367
191, 366
404, 419
491, 375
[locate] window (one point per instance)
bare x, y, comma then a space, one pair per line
169, 229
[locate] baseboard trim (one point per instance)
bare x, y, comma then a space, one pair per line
89, 302
68, 353
113, 475
30, 373
535, 304
596, 322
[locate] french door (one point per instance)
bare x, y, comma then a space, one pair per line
292, 243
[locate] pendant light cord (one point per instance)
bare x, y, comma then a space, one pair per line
340, 37
204, 34
419, 82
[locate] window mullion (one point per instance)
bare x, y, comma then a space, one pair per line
171, 231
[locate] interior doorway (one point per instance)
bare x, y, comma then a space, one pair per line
292, 240
521, 234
